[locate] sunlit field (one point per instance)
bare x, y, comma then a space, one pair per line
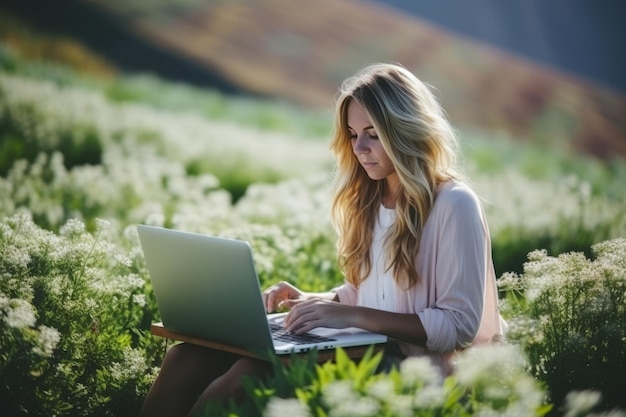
82, 162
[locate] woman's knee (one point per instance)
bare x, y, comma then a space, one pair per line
251, 367
190, 359
182, 356
243, 368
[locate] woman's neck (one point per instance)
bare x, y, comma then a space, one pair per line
391, 191
388, 203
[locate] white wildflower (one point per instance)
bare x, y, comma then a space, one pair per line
430, 396
525, 329
139, 299
527, 395
73, 227
47, 341
19, 313
281, 407
611, 252
417, 369
338, 392
401, 405
578, 403
123, 260
17, 258
132, 366
489, 363
510, 281
134, 281
381, 389
102, 224
361, 407
610, 413
155, 219
497, 392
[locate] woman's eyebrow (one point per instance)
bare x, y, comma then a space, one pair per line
365, 128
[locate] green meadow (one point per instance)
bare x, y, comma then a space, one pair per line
84, 160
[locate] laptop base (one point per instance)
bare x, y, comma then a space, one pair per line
355, 352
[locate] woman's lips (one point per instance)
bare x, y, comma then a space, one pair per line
368, 165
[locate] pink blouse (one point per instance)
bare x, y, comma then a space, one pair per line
456, 298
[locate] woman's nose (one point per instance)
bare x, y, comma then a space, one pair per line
360, 144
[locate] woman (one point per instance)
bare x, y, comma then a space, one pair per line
413, 244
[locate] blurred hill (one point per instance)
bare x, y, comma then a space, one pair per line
300, 51
575, 36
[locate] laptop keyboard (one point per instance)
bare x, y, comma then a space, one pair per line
279, 333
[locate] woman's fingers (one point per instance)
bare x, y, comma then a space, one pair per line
277, 295
300, 322
271, 298
306, 315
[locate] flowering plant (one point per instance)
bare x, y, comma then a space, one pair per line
70, 306
568, 313
488, 381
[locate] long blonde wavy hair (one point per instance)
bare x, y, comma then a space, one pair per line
422, 146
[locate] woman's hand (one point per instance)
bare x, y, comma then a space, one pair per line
308, 314
278, 296
305, 315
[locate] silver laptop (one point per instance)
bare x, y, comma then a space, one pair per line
207, 287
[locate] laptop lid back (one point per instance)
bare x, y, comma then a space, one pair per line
206, 287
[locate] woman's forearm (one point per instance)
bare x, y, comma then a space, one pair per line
404, 327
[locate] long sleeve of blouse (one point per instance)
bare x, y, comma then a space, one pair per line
456, 297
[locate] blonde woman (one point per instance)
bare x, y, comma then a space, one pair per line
413, 239
413, 244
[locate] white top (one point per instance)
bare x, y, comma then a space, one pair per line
456, 297
378, 290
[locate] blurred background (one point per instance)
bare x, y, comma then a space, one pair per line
547, 72
213, 116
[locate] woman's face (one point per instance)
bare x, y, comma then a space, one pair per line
366, 146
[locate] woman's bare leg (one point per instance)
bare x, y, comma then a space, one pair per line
186, 372
229, 385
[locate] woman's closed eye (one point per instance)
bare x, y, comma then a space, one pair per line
370, 135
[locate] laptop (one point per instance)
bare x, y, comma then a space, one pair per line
207, 287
